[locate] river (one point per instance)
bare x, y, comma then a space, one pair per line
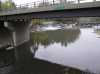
51, 51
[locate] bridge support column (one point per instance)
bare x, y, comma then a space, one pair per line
20, 31
5, 35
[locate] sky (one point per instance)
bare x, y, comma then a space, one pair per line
24, 1
27, 1
18, 2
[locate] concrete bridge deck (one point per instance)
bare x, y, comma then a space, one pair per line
54, 7
18, 21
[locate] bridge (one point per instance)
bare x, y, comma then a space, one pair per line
17, 20
53, 10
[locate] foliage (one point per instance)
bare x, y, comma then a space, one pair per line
37, 21
60, 21
40, 21
8, 4
97, 19
55, 21
64, 37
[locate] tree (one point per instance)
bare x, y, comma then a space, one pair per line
8, 4
0, 4
37, 21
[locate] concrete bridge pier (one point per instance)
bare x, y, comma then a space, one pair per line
5, 35
20, 31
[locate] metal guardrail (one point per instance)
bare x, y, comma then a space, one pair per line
43, 4
48, 6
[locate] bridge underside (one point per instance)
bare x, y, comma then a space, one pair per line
20, 22
14, 33
84, 12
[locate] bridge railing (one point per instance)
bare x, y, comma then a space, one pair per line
43, 3
37, 4
52, 2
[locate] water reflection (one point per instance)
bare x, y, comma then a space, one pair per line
20, 61
97, 33
47, 38
70, 49
77, 48
64, 37
7, 60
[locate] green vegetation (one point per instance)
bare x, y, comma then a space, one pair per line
64, 37
37, 21
60, 21
40, 21
97, 19
7, 5
97, 32
55, 21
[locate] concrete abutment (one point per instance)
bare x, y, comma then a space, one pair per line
18, 32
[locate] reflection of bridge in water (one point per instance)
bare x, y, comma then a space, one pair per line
21, 61
17, 21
